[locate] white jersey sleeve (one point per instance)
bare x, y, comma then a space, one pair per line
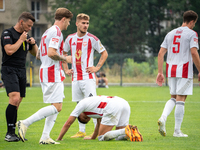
194, 41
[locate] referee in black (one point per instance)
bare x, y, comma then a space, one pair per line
15, 43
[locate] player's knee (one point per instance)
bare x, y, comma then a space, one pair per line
58, 107
14, 100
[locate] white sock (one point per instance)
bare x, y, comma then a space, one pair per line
179, 114
121, 137
40, 114
81, 127
113, 134
49, 123
169, 106
94, 121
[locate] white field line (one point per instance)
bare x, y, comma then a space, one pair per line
28, 102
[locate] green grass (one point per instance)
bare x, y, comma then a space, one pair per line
146, 105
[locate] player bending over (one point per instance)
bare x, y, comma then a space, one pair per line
110, 112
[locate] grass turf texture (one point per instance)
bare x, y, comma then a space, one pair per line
146, 104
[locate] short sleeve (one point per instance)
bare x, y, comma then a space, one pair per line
6, 37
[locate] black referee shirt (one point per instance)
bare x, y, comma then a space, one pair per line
17, 59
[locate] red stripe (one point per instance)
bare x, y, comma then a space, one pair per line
70, 44
41, 74
102, 105
78, 59
185, 70
167, 66
173, 70
92, 113
88, 56
51, 74
58, 31
61, 52
91, 35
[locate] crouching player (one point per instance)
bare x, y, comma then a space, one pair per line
110, 112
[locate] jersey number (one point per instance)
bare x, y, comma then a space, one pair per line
43, 46
176, 44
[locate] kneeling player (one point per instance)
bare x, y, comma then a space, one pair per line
110, 112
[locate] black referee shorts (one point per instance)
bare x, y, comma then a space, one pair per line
14, 79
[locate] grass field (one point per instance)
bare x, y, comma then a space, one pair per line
146, 107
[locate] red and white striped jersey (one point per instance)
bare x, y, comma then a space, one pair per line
51, 70
93, 106
82, 52
178, 43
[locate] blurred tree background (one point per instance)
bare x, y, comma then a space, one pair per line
129, 26
131, 30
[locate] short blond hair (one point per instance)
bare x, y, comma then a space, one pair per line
82, 16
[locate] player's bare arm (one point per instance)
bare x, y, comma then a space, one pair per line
65, 64
38, 55
66, 126
195, 57
96, 130
55, 56
160, 76
102, 59
12, 48
196, 60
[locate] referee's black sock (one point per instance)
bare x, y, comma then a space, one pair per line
11, 113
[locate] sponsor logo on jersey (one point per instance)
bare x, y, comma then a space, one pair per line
101, 46
195, 41
78, 54
55, 40
74, 43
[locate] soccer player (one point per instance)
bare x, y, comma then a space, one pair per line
109, 111
82, 45
51, 76
16, 43
181, 45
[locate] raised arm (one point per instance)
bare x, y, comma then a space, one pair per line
12, 48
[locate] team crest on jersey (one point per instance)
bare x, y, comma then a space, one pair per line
84, 43
78, 54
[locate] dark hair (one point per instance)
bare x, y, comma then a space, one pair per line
63, 12
81, 121
189, 16
26, 16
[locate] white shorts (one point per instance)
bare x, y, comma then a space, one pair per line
116, 113
53, 92
82, 89
180, 86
